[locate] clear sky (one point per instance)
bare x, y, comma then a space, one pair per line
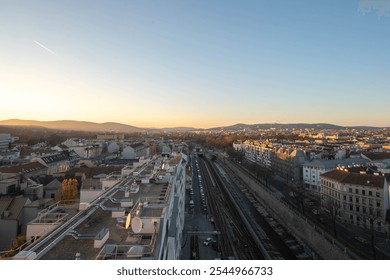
196, 63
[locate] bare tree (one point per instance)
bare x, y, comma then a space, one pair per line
332, 207
372, 217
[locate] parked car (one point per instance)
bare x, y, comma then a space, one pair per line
207, 241
315, 211
361, 240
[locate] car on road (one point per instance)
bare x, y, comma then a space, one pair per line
207, 241
361, 240
315, 211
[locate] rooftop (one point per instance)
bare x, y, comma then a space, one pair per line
377, 156
23, 168
48, 159
323, 163
145, 195
355, 178
10, 208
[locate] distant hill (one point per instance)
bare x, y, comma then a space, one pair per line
74, 125
320, 126
68, 125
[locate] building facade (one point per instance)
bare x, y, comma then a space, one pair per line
312, 170
141, 216
357, 197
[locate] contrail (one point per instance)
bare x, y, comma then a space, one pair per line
45, 48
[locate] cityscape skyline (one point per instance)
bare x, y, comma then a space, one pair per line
196, 64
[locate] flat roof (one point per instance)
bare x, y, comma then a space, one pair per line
153, 194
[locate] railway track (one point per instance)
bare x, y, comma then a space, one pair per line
236, 239
251, 222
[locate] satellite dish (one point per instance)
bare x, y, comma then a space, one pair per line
128, 221
137, 225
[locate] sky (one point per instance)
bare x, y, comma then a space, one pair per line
196, 63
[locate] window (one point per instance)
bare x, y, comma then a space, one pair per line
378, 194
369, 193
351, 207
363, 192
350, 190
357, 208
357, 200
344, 197
356, 191
378, 203
350, 198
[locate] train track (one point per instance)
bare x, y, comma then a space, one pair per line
250, 225
236, 239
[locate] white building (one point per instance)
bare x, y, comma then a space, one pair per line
358, 198
256, 151
312, 170
56, 163
140, 217
135, 151
113, 147
5, 141
380, 160
87, 151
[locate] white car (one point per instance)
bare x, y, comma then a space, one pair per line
207, 241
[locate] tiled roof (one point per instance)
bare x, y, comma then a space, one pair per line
377, 156
355, 178
4, 204
54, 158
14, 205
23, 168
137, 145
53, 185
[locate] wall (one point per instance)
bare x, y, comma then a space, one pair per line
296, 224
39, 229
8, 232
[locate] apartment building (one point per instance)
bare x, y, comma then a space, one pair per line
257, 152
13, 179
360, 197
5, 140
55, 163
135, 151
288, 162
13, 217
139, 217
312, 170
379, 159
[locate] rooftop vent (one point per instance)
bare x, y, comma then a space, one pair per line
6, 214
